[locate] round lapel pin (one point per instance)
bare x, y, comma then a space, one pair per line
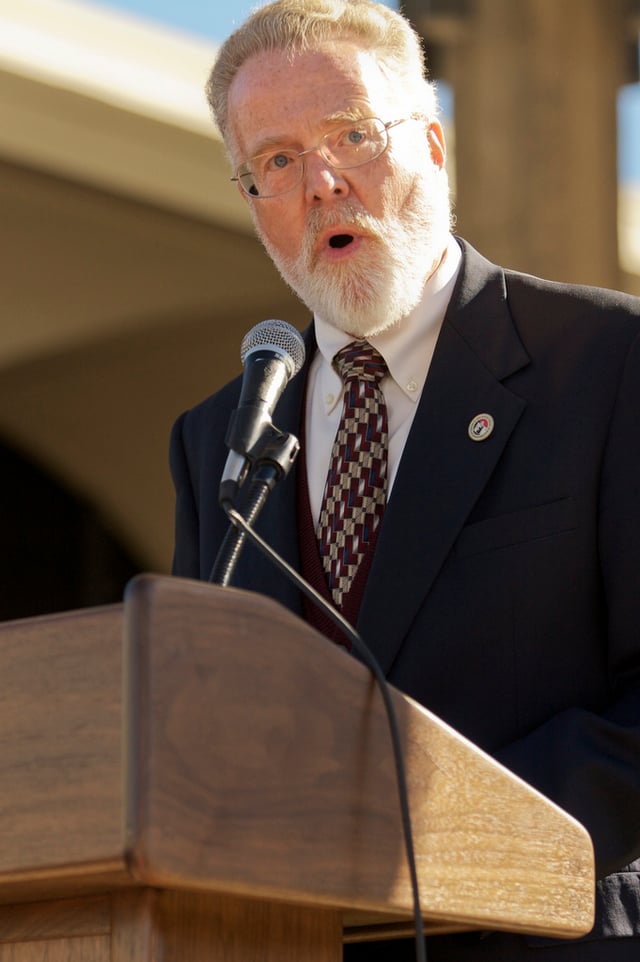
481, 427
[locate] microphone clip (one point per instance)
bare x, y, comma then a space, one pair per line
270, 458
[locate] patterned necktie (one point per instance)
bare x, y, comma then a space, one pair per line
356, 488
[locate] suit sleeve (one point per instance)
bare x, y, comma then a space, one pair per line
186, 558
586, 762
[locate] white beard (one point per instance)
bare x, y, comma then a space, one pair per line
381, 285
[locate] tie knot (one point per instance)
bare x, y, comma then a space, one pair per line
360, 361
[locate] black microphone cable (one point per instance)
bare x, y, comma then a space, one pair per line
241, 525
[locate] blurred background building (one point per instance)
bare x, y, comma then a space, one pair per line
128, 267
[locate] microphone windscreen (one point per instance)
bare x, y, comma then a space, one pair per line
280, 336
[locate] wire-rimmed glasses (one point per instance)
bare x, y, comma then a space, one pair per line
276, 172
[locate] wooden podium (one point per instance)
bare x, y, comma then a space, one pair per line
196, 776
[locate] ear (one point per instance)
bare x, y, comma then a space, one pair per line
435, 137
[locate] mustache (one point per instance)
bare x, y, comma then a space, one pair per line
346, 215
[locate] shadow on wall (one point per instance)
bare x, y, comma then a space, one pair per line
57, 553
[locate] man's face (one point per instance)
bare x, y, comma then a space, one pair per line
356, 245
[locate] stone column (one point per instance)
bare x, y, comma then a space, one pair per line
535, 85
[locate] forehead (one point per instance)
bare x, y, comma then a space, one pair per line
276, 98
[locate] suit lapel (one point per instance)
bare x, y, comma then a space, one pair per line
443, 471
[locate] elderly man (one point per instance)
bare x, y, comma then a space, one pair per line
495, 570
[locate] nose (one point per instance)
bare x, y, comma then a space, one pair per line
322, 182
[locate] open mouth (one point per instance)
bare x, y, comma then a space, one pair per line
341, 240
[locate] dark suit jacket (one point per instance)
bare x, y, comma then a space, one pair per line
505, 590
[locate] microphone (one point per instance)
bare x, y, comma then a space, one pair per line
272, 353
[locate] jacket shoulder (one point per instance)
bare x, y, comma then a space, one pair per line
579, 300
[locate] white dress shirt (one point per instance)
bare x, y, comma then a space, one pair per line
408, 351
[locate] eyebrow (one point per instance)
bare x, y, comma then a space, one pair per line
267, 143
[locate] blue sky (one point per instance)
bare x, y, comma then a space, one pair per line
215, 19
629, 134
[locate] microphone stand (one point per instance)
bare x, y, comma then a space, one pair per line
272, 458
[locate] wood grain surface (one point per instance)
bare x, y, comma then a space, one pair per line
61, 799
261, 766
197, 774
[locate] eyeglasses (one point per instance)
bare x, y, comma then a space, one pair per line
278, 171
